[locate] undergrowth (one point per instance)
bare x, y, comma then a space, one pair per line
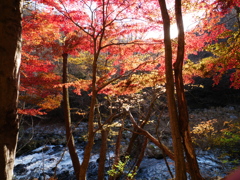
218, 129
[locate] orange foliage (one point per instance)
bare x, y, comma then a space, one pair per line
114, 32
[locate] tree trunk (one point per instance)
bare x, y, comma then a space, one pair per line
146, 119
182, 104
91, 133
117, 151
180, 166
67, 118
167, 151
10, 58
103, 152
140, 156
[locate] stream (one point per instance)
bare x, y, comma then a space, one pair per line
45, 161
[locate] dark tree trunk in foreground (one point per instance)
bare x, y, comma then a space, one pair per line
10, 59
67, 118
193, 168
180, 165
178, 112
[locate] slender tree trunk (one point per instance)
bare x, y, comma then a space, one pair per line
180, 165
103, 152
10, 58
132, 141
67, 118
182, 104
167, 151
147, 118
117, 151
91, 133
141, 155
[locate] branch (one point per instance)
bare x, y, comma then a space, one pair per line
109, 120
121, 76
166, 150
70, 18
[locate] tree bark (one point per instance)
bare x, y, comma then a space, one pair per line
180, 165
181, 99
135, 135
141, 155
117, 152
144, 132
10, 59
67, 118
103, 152
91, 133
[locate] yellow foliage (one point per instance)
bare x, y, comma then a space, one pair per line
51, 102
204, 134
205, 128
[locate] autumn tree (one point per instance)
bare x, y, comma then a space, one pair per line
222, 41
96, 34
101, 35
38, 68
67, 118
178, 114
10, 58
116, 73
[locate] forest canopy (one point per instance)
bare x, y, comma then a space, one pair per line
118, 65
126, 37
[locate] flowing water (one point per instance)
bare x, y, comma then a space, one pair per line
47, 161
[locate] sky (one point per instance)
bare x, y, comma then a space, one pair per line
189, 22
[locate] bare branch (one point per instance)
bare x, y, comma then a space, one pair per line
151, 138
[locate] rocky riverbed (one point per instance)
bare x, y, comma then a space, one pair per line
42, 153
54, 160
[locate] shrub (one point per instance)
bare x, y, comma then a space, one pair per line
217, 134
